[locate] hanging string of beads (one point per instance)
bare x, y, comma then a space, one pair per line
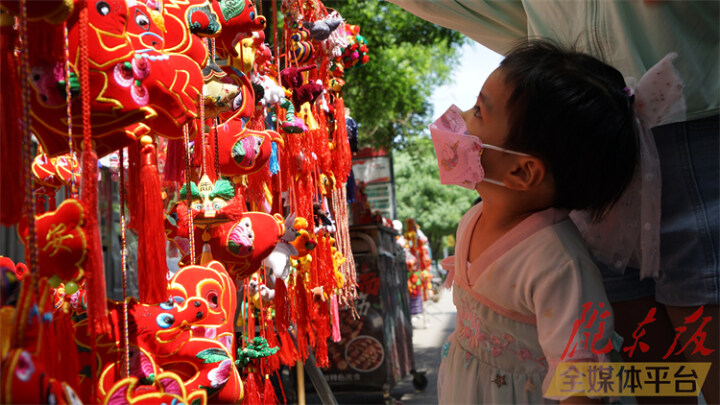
188, 195
123, 264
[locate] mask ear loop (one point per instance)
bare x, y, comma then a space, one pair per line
499, 149
491, 181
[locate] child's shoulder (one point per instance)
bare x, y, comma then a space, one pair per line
558, 246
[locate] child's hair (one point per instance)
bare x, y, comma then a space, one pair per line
574, 112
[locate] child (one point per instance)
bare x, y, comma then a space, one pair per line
555, 132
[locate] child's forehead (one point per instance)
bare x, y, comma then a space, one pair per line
494, 89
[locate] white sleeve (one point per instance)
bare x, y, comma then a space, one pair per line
495, 24
571, 307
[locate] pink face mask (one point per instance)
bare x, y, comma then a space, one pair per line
458, 154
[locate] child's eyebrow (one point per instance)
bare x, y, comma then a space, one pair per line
484, 100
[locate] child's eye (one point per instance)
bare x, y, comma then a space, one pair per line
477, 112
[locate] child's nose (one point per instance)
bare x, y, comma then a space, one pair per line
466, 115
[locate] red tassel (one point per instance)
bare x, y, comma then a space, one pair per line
174, 160
235, 209
321, 354
152, 265
303, 316
343, 156
281, 305
269, 397
12, 176
323, 333
321, 145
257, 121
256, 189
288, 352
272, 363
252, 391
94, 269
326, 269
133, 197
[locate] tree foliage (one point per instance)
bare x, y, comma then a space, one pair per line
409, 57
435, 207
390, 97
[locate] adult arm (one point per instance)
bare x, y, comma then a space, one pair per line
495, 24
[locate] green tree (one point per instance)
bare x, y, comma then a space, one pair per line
409, 57
435, 207
390, 99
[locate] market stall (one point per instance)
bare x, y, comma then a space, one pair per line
196, 150
375, 351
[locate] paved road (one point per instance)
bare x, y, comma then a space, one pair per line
427, 341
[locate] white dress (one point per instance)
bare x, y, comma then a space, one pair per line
517, 305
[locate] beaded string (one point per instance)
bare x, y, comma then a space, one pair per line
276, 44
211, 49
68, 100
217, 153
191, 225
202, 133
261, 321
31, 252
123, 260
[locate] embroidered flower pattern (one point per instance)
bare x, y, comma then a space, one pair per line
220, 374
25, 366
469, 330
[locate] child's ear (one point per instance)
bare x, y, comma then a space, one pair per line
527, 172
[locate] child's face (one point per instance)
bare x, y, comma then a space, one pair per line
488, 119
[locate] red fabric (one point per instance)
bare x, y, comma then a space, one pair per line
68, 356
62, 240
174, 336
131, 79
114, 102
12, 184
233, 25
242, 245
252, 148
30, 366
177, 40
172, 83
